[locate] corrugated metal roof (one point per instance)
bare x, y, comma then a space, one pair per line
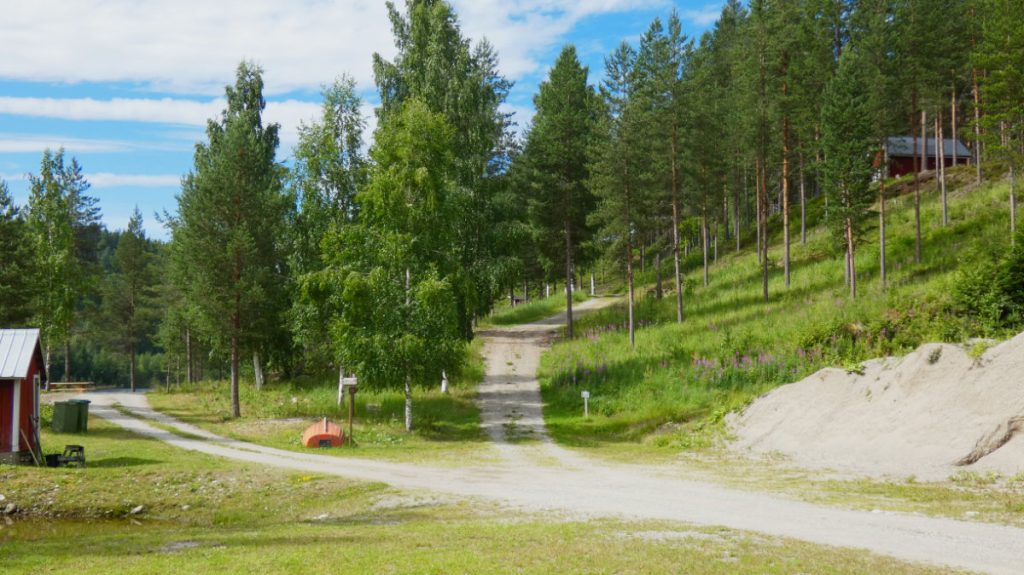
16, 349
903, 146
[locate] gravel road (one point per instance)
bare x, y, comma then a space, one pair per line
540, 476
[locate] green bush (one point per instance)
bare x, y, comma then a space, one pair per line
990, 291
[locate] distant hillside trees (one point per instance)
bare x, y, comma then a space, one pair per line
15, 263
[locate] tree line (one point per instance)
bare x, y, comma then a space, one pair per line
378, 260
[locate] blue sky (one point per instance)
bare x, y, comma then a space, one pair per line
126, 86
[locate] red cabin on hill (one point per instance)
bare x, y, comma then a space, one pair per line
900, 152
22, 374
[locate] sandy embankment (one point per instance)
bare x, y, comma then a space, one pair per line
928, 414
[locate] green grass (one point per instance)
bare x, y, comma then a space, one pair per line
673, 389
446, 426
207, 515
533, 310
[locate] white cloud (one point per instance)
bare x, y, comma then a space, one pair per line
193, 46
288, 113
705, 16
164, 110
108, 180
523, 31
18, 144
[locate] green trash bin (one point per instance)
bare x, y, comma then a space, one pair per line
65, 417
80, 407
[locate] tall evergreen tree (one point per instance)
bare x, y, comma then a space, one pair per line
129, 291
555, 157
619, 164
662, 58
849, 142
231, 216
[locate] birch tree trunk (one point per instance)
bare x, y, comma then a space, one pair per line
257, 370
853, 261
408, 376
67, 359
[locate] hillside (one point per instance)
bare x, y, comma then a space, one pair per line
675, 387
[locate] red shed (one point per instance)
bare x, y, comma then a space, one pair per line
22, 374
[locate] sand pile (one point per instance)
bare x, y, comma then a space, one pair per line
928, 414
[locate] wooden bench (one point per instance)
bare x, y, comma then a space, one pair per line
79, 386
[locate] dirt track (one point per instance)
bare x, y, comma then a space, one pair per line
540, 476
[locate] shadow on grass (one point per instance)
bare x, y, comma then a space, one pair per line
115, 462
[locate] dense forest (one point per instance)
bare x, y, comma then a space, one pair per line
379, 258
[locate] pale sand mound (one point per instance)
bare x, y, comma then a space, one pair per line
928, 414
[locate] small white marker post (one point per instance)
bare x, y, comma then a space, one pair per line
586, 403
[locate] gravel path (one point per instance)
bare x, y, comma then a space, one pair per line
536, 475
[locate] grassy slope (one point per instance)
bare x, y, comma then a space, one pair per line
207, 515
680, 380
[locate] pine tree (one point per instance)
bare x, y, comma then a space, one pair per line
129, 292
849, 142
619, 164
555, 157
231, 216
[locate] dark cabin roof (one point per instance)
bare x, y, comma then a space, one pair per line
903, 147
17, 347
